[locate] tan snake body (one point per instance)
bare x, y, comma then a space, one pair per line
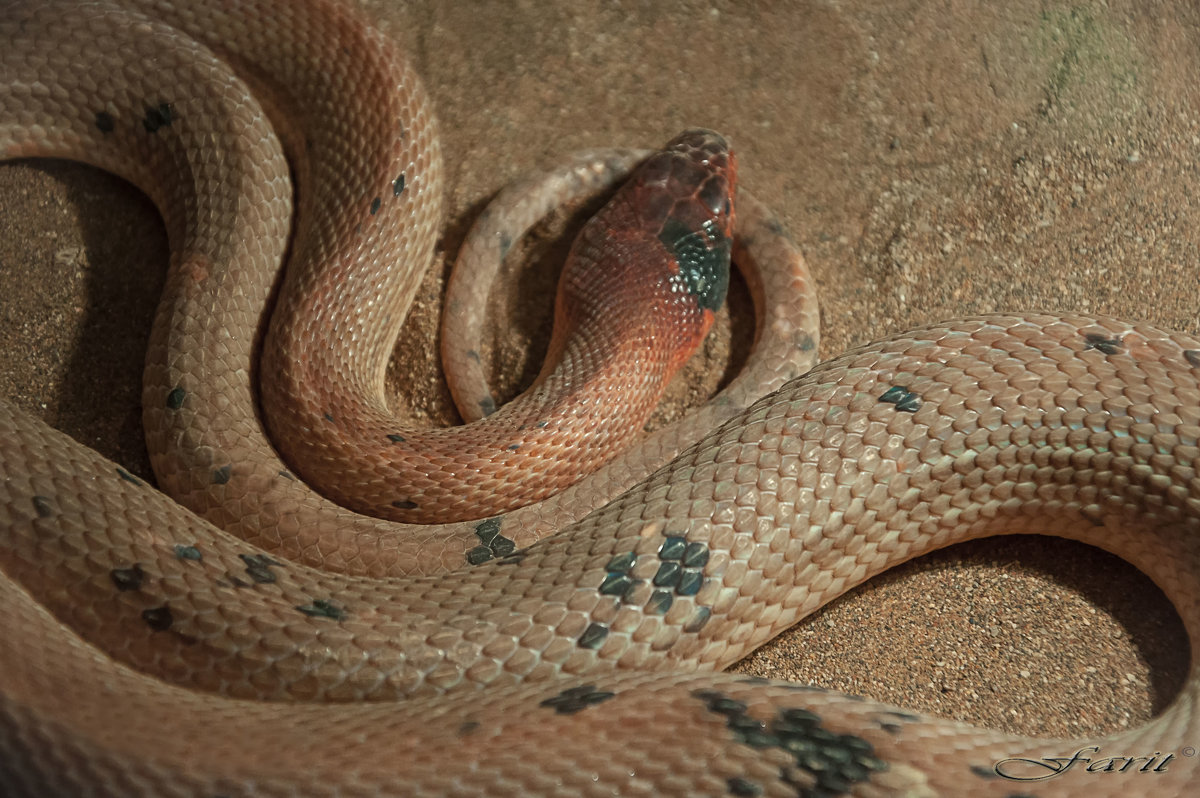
570, 666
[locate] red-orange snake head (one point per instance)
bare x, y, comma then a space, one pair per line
661, 244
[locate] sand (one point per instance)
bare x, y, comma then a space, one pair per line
933, 160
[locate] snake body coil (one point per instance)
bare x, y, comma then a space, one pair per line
149, 653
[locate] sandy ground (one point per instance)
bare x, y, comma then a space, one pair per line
933, 160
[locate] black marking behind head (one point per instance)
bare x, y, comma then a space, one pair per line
703, 258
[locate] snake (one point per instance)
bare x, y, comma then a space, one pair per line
243, 636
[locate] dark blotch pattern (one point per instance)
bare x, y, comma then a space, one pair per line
680, 573
375, 205
703, 258
574, 699
323, 608
188, 553
1192, 356
258, 566
984, 771
105, 122
175, 398
1109, 346
398, 186
493, 544
405, 504
128, 578
221, 475
130, 478
158, 117
825, 763
902, 398
158, 618
487, 405
396, 438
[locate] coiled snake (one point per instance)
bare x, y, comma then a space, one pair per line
574, 665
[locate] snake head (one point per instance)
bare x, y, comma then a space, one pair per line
686, 198
654, 262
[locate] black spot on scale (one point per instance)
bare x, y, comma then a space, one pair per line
42, 506
1101, 343
258, 566
487, 405
493, 544
158, 117
398, 185
375, 204
175, 398
405, 504
576, 699
659, 602
902, 398
1192, 356
824, 763
287, 475
128, 578
703, 259
221, 475
394, 438
743, 788
328, 416
158, 618
323, 608
130, 478
105, 122
468, 728
188, 553
593, 636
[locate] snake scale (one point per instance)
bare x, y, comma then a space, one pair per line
149, 653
